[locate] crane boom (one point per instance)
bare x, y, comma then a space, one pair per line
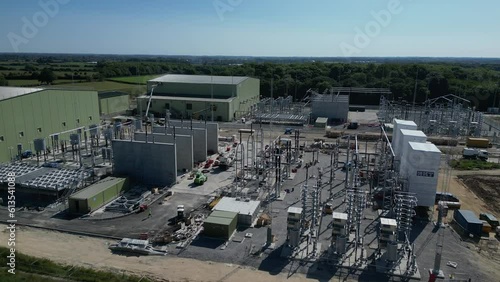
149, 101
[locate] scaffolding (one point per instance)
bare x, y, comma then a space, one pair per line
448, 115
281, 110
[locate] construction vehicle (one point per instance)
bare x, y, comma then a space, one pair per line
200, 178
491, 219
478, 143
353, 125
226, 160
180, 211
473, 153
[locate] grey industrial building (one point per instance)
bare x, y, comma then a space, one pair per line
331, 106
225, 98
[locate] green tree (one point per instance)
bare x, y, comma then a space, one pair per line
3, 81
47, 76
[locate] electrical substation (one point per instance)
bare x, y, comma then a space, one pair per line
267, 191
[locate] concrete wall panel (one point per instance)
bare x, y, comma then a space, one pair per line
184, 143
150, 163
199, 139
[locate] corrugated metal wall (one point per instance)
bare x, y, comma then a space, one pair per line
45, 110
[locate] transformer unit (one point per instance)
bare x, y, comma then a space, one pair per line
388, 228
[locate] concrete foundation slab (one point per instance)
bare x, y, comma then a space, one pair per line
397, 268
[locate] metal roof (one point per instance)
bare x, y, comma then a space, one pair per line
361, 90
322, 120
388, 221
469, 216
405, 122
240, 207
200, 79
225, 214
96, 188
221, 217
110, 94
12, 92
409, 132
171, 98
218, 220
426, 147
295, 210
319, 98
339, 215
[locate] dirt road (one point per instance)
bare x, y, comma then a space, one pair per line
469, 199
94, 253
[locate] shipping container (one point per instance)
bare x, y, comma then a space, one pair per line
469, 222
477, 142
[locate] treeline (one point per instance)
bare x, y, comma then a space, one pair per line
428, 80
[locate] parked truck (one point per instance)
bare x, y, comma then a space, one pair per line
473, 153
473, 142
469, 222
491, 219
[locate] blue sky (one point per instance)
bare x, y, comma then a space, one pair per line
444, 28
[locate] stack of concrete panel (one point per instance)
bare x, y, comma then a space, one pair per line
398, 125
421, 168
184, 146
212, 131
199, 139
149, 163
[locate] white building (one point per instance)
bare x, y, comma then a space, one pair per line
405, 136
246, 209
420, 167
398, 125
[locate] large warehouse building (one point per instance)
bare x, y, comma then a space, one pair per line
194, 96
113, 102
331, 106
31, 113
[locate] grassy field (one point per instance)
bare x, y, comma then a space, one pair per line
34, 82
463, 164
31, 269
135, 79
132, 89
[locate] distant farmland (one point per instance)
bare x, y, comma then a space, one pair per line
133, 90
134, 79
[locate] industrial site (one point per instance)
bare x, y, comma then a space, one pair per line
208, 170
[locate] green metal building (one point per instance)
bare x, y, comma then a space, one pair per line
196, 96
113, 102
220, 224
30, 113
97, 195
